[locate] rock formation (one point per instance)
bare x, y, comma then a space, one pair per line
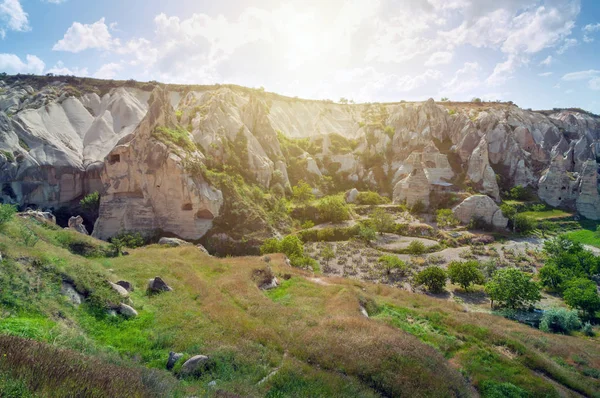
76, 224
414, 188
588, 201
480, 207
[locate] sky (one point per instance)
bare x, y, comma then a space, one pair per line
540, 54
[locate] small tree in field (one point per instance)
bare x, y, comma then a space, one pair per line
432, 277
512, 288
367, 234
465, 273
382, 220
303, 192
328, 254
582, 293
391, 263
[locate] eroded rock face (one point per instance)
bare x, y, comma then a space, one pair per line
351, 195
147, 187
588, 201
76, 224
480, 207
414, 188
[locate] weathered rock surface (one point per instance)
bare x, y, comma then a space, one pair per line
68, 290
414, 188
157, 285
42, 216
174, 357
76, 224
588, 201
126, 285
119, 289
195, 365
480, 207
127, 311
351, 195
173, 242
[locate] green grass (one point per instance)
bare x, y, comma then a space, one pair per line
585, 236
548, 214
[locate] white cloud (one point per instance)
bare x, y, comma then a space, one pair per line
545, 74
581, 75
61, 69
55, 1
588, 30
465, 80
12, 17
569, 91
595, 83
80, 37
108, 71
504, 71
11, 63
568, 43
547, 61
439, 58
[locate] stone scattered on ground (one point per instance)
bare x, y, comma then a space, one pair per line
173, 242
126, 285
195, 365
41, 216
351, 195
203, 249
76, 223
271, 285
157, 285
119, 289
174, 357
68, 290
127, 311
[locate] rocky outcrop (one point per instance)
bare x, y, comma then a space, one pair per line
588, 201
194, 366
480, 207
413, 189
559, 186
76, 224
127, 311
41, 216
147, 186
351, 195
173, 242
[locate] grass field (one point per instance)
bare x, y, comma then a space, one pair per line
548, 214
310, 336
586, 237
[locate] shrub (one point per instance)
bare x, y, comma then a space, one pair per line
302, 193
560, 320
391, 263
327, 253
465, 273
366, 234
553, 278
177, 136
587, 329
382, 220
524, 224
518, 193
334, 209
7, 212
512, 288
371, 198
304, 262
308, 224
91, 204
418, 208
582, 293
493, 389
270, 245
292, 246
432, 277
445, 218
126, 239
9, 156
416, 248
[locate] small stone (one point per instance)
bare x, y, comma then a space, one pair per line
126, 285
119, 289
157, 285
127, 311
351, 195
194, 365
68, 290
174, 357
212, 383
203, 249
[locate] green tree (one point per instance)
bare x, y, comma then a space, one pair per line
524, 224
465, 273
334, 209
416, 248
445, 99
553, 277
271, 245
327, 253
433, 277
582, 293
302, 192
367, 234
382, 220
512, 288
7, 212
91, 205
445, 218
292, 246
519, 193
391, 263
560, 320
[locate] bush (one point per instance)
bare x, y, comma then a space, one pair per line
366, 234
465, 273
7, 212
416, 248
560, 320
432, 277
391, 263
302, 193
304, 262
512, 288
582, 293
334, 209
371, 198
91, 204
445, 218
126, 239
292, 246
587, 329
270, 245
524, 224
493, 389
418, 208
382, 220
518, 193
28, 236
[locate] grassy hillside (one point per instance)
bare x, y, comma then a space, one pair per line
306, 337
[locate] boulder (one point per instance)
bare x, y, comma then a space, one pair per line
480, 207
203, 249
195, 365
351, 195
127, 311
173, 242
157, 285
76, 223
126, 285
41, 216
119, 289
272, 284
174, 357
68, 290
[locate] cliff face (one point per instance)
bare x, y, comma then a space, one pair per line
59, 142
